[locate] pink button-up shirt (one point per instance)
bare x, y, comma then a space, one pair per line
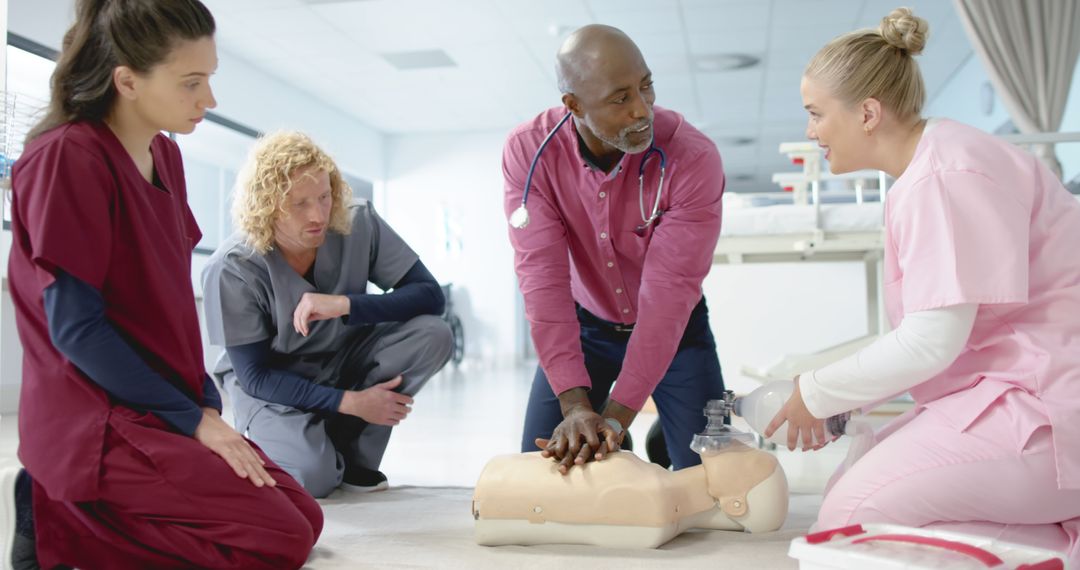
974, 219
580, 245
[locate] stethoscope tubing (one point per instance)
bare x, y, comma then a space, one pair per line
646, 220
536, 157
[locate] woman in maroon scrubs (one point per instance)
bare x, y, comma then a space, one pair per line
119, 426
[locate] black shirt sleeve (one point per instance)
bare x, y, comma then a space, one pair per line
257, 379
417, 293
211, 396
80, 330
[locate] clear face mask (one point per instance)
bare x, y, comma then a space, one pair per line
718, 436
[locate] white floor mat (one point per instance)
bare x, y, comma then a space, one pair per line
432, 527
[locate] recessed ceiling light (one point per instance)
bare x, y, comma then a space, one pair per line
560, 30
724, 62
424, 59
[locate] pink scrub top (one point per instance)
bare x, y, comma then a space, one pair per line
974, 219
581, 247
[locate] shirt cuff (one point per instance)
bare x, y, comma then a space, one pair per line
813, 396
211, 396
567, 376
185, 420
356, 303
333, 402
632, 391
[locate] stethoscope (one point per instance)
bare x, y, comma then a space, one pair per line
520, 218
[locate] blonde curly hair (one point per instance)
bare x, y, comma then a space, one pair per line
266, 178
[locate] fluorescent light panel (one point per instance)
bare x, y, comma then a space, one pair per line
424, 59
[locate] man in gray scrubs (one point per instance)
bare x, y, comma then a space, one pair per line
318, 371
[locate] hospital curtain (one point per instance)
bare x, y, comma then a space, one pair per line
1029, 48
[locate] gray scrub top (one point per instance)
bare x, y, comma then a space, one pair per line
249, 297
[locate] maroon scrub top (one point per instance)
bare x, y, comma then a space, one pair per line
79, 204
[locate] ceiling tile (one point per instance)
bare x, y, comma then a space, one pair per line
677, 92
831, 14
751, 41
505, 54
245, 7
740, 84
554, 19
663, 66
640, 18
652, 45
714, 16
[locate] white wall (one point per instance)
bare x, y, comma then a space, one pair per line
248, 95
961, 99
443, 194
761, 312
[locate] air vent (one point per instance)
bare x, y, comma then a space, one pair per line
724, 62
426, 59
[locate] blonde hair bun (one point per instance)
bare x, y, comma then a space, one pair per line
904, 30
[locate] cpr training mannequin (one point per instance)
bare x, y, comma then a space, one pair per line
625, 502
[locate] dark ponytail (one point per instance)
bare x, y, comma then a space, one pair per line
138, 34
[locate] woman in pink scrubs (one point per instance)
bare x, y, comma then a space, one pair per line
129, 463
982, 282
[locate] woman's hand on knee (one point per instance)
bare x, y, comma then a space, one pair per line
225, 442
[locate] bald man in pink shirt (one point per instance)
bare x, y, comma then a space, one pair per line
623, 216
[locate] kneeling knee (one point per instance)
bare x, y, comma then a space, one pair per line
435, 334
285, 541
435, 330
833, 515
294, 545
893, 504
319, 482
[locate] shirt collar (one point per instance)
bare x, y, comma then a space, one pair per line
588, 159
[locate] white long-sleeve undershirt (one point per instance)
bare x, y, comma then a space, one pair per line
925, 344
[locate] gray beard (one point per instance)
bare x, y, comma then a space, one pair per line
622, 141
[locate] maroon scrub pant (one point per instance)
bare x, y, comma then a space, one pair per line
167, 501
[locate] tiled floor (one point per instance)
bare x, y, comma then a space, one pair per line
467, 415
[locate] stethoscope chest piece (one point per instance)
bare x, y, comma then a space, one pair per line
520, 218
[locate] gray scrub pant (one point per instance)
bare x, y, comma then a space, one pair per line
317, 448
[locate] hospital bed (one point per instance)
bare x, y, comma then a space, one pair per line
811, 221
